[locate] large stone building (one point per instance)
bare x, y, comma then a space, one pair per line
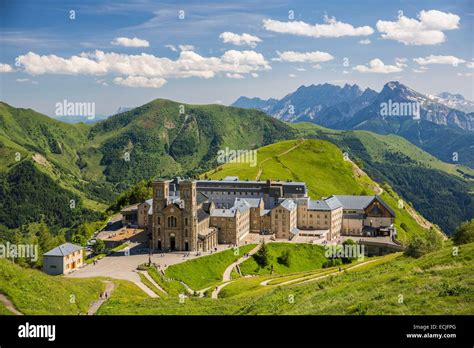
198, 214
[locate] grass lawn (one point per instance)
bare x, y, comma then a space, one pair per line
34, 292
125, 293
303, 257
206, 271
172, 287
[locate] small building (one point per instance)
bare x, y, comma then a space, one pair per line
63, 259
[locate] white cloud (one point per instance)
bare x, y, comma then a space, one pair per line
5, 68
426, 30
377, 66
234, 76
186, 47
401, 62
432, 59
330, 28
418, 71
171, 47
188, 64
470, 65
102, 82
300, 69
254, 74
301, 57
126, 42
291, 75
239, 40
465, 74
27, 81
317, 66
365, 42
140, 81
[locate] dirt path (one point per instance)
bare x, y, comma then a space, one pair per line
9, 305
96, 304
226, 277
260, 167
303, 279
217, 290
228, 271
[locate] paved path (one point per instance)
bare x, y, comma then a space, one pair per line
303, 280
228, 271
147, 276
187, 287
120, 266
226, 277
146, 289
96, 304
9, 305
217, 290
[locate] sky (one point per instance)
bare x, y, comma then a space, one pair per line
127, 53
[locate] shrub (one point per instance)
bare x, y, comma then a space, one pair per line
285, 258
332, 263
261, 256
420, 246
464, 233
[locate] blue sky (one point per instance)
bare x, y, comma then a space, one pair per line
129, 52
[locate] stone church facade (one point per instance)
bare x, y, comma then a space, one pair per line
197, 215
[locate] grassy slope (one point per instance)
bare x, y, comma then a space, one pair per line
207, 270
162, 141
421, 179
303, 257
437, 283
321, 165
377, 145
27, 132
33, 292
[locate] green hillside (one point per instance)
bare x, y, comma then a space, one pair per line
34, 292
88, 164
322, 166
299, 258
206, 271
166, 138
438, 283
442, 192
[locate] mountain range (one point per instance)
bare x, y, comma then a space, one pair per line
428, 122
92, 164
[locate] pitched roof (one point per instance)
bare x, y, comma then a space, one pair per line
354, 202
253, 202
63, 249
360, 202
318, 205
224, 212
202, 215
288, 204
333, 203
